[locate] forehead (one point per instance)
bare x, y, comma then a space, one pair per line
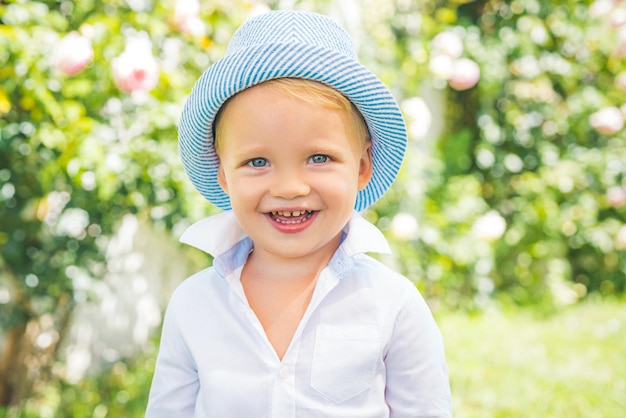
314, 93
266, 115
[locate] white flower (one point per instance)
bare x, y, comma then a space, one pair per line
114, 162
136, 68
485, 158
419, 117
186, 8
465, 74
258, 9
601, 8
441, 66
489, 227
51, 208
513, 163
404, 227
192, 26
618, 17
607, 121
73, 53
186, 16
527, 66
448, 43
73, 222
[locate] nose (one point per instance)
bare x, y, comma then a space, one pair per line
289, 184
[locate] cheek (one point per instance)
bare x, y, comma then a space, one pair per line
243, 192
339, 186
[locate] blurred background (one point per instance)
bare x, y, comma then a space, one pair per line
509, 213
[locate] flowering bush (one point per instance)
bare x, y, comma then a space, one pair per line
89, 99
519, 180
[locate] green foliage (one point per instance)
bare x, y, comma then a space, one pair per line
77, 153
75, 146
520, 143
119, 391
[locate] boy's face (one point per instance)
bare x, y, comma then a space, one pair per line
292, 170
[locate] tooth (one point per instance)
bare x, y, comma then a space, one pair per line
288, 214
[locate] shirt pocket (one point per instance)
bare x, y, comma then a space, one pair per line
344, 360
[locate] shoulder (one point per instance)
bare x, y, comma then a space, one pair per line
199, 287
387, 287
379, 274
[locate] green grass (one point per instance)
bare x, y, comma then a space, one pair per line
572, 364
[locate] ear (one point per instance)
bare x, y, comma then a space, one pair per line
221, 178
365, 166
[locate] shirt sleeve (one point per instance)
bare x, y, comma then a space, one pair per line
417, 375
175, 383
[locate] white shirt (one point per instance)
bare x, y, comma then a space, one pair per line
367, 345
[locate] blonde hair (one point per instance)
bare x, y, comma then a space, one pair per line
309, 91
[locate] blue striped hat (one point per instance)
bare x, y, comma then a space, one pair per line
294, 44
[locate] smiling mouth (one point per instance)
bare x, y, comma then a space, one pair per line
293, 217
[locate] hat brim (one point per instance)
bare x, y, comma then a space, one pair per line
256, 64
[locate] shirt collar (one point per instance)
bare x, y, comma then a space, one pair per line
221, 234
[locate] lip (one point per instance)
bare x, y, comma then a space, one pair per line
291, 224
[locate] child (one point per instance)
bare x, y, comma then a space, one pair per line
291, 136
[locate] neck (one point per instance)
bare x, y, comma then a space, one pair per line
269, 266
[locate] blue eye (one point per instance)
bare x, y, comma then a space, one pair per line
258, 162
319, 159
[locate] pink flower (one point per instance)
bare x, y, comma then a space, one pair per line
616, 196
465, 74
607, 121
73, 54
135, 68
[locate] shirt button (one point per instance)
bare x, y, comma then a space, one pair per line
283, 372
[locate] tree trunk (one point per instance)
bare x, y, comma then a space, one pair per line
30, 352
13, 369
